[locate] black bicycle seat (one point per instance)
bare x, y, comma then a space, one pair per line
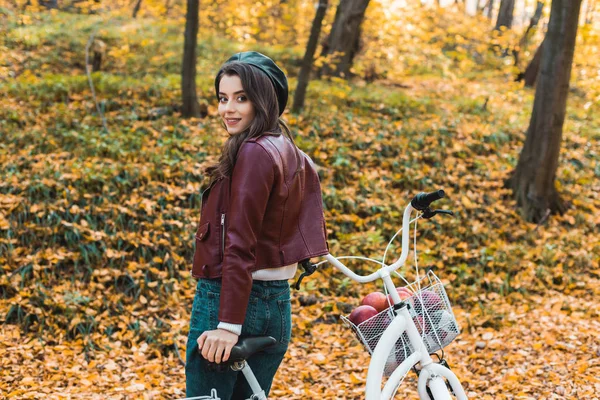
244, 349
249, 345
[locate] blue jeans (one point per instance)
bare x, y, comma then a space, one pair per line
268, 313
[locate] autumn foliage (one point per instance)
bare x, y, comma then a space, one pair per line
96, 226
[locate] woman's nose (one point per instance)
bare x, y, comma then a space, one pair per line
229, 106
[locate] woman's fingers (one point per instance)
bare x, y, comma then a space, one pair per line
228, 344
201, 340
206, 349
218, 352
210, 354
216, 345
223, 349
212, 349
227, 352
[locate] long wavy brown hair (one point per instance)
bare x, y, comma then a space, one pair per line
261, 93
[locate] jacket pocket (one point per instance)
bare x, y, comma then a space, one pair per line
202, 232
285, 308
213, 305
207, 251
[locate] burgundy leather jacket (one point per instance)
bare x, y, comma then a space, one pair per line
265, 216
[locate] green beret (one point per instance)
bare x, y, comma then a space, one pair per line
268, 66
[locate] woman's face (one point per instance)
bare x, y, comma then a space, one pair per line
234, 107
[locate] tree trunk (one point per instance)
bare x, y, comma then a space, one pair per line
99, 49
535, 19
533, 22
490, 10
136, 8
505, 14
190, 107
532, 70
307, 62
533, 180
49, 4
344, 37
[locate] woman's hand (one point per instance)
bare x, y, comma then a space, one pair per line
216, 345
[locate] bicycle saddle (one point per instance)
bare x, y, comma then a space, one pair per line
244, 349
249, 345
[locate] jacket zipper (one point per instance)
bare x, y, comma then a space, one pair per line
223, 234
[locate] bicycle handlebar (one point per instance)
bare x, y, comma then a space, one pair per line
420, 202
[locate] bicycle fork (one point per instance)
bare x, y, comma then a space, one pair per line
435, 374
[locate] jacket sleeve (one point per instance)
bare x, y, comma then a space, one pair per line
251, 182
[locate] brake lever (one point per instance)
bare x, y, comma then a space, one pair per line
309, 269
429, 213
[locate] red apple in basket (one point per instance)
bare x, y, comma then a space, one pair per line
427, 300
377, 300
362, 313
403, 292
422, 323
373, 329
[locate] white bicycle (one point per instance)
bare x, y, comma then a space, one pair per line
401, 337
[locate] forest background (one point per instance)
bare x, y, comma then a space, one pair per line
101, 180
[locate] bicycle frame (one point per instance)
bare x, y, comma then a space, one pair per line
431, 374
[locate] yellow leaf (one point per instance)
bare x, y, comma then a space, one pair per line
466, 202
355, 379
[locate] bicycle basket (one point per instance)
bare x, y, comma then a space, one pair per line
431, 312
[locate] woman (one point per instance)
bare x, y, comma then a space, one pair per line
260, 216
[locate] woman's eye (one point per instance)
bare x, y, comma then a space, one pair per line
242, 98
223, 99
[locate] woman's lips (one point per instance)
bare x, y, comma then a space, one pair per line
232, 121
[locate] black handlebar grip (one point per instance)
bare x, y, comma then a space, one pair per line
423, 200
433, 196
